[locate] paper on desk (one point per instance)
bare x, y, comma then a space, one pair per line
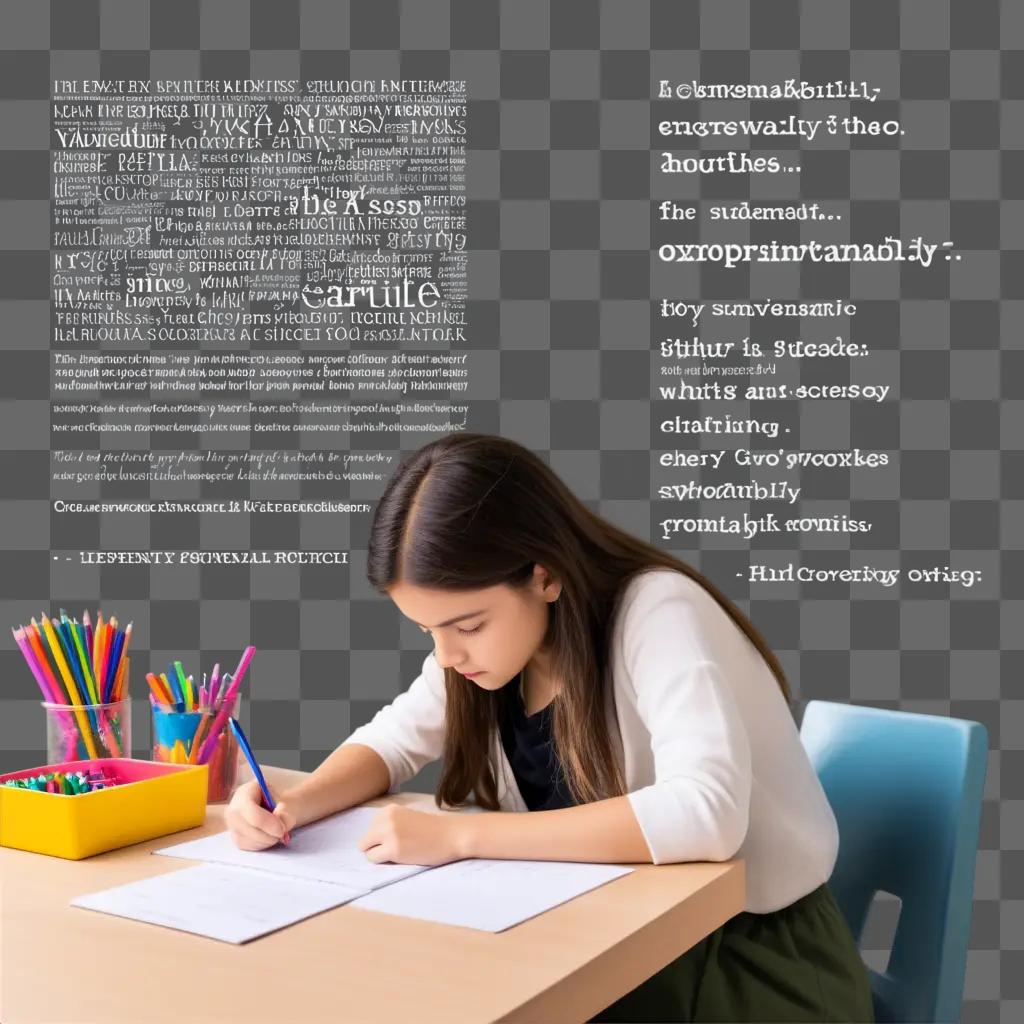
243, 894
325, 851
232, 904
491, 895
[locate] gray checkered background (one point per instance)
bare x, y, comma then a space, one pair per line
562, 163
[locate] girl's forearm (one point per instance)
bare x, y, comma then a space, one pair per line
605, 830
351, 774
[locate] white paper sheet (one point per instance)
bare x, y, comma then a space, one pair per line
491, 895
232, 904
325, 851
239, 894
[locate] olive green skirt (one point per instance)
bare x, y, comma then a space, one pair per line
799, 963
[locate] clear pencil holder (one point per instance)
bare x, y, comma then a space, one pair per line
199, 737
81, 732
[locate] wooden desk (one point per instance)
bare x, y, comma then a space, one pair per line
342, 965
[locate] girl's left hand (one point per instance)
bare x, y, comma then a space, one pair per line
403, 836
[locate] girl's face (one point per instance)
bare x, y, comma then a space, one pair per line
493, 632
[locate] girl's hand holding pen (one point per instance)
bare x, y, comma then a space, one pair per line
251, 825
404, 836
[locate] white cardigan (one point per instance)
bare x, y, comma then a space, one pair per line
711, 756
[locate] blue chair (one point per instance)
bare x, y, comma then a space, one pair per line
906, 790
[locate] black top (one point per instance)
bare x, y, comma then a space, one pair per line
530, 750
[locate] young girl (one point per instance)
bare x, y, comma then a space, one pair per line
586, 675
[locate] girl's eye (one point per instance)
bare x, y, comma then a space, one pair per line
464, 632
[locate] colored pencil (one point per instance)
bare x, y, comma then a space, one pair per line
119, 682
127, 641
103, 654
58, 658
77, 635
34, 641
197, 740
97, 644
40, 668
33, 664
229, 696
112, 663
80, 665
73, 695
74, 669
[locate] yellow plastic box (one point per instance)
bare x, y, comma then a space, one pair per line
149, 800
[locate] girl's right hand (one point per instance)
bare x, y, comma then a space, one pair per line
251, 825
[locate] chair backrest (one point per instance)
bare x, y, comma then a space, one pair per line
906, 790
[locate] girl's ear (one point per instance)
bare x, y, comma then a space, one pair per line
548, 584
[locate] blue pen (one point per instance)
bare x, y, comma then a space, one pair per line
257, 774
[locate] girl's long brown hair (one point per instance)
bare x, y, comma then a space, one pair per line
470, 511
